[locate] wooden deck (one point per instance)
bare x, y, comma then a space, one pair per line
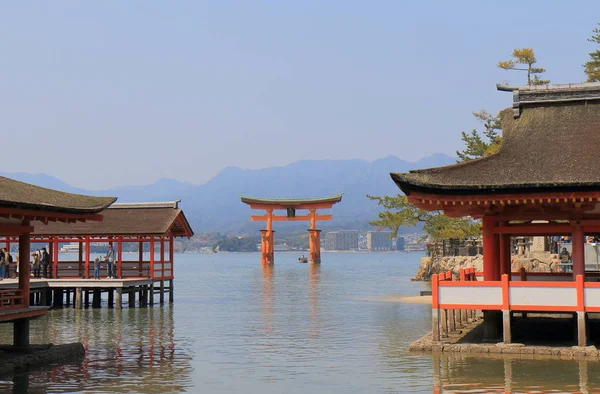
75, 283
76, 292
9, 315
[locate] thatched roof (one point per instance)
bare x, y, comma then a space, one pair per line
20, 195
130, 219
551, 142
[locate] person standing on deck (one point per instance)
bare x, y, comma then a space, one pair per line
36, 264
2, 264
45, 260
97, 268
110, 262
8, 261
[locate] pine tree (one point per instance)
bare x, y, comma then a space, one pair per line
592, 66
525, 56
479, 145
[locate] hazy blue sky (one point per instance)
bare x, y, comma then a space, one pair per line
109, 93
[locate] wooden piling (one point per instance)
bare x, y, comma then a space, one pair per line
97, 295
171, 295
131, 298
111, 298
78, 297
151, 295
162, 292
119, 298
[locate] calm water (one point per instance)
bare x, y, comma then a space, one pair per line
292, 328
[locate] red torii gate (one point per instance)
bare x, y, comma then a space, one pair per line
291, 205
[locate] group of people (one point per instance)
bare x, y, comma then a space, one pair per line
111, 268
40, 264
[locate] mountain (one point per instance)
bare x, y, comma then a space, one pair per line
216, 206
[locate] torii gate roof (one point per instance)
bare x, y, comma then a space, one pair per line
291, 202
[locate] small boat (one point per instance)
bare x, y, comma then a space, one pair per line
302, 259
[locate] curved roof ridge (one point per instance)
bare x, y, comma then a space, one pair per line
17, 194
150, 204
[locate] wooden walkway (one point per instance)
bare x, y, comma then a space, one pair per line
76, 292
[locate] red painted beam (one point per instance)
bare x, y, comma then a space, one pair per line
285, 218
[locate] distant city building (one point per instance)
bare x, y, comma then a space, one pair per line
347, 240
400, 243
341, 240
380, 240
331, 240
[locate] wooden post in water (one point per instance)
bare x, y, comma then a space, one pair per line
119, 298
131, 298
162, 292
87, 299
111, 298
78, 297
97, 296
141, 296
171, 294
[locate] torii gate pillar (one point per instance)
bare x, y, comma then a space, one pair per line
314, 241
267, 247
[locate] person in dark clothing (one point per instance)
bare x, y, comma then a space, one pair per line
565, 258
36, 266
110, 263
8, 261
45, 261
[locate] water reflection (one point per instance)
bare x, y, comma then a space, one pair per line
267, 296
314, 277
126, 350
509, 373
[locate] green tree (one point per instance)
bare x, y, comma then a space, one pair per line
592, 66
399, 212
481, 144
525, 56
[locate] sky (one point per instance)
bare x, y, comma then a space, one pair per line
108, 93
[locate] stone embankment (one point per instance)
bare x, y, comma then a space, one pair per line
540, 263
12, 358
454, 344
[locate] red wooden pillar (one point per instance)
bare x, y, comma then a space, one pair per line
80, 259
505, 262
120, 256
55, 257
491, 252
7, 246
24, 266
87, 257
152, 257
171, 259
264, 246
162, 257
140, 257
578, 252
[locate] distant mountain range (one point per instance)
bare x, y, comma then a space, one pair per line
216, 206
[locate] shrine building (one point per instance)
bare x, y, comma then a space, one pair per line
22, 204
543, 181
